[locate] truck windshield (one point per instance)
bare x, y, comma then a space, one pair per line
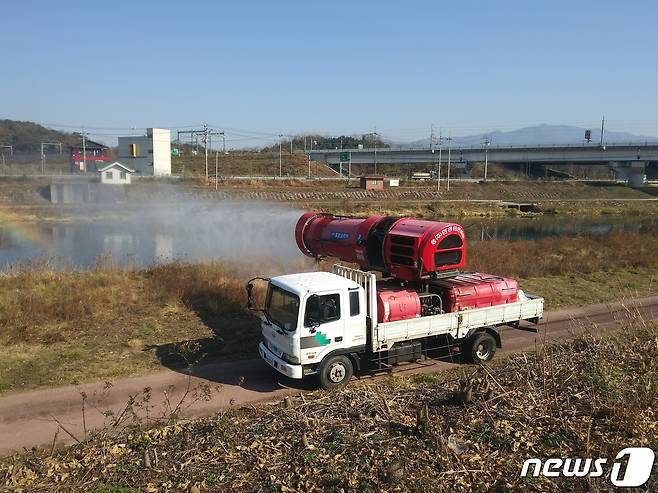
282, 307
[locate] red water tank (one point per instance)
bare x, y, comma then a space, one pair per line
397, 304
474, 290
408, 249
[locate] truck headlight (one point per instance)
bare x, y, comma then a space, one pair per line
293, 360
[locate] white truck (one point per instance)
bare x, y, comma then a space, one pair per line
326, 324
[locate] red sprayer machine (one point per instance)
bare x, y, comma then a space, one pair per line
407, 249
407, 297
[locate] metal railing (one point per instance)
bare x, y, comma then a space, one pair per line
480, 147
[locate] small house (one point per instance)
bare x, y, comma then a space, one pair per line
372, 182
116, 174
88, 156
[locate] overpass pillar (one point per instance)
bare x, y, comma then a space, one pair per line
633, 172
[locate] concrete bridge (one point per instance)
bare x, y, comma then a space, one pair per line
628, 159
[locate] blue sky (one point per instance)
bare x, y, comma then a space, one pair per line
331, 67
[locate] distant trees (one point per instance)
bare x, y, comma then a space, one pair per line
27, 136
301, 142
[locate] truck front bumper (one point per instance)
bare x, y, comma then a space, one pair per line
292, 371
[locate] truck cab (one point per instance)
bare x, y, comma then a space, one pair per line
311, 322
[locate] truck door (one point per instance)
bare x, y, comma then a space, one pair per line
324, 325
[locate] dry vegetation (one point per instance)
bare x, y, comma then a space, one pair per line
469, 431
443, 210
249, 163
59, 328
493, 190
63, 327
564, 255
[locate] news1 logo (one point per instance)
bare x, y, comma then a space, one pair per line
638, 462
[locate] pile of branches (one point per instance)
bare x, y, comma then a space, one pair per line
470, 429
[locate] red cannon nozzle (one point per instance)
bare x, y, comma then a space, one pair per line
406, 248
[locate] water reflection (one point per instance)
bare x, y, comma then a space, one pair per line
241, 236
232, 232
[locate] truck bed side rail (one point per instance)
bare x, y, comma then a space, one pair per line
457, 324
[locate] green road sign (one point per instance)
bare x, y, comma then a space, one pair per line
344, 157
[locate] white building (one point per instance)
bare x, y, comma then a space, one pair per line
116, 174
148, 154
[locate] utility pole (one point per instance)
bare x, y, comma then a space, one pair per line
217, 157
432, 145
375, 134
43, 153
449, 139
206, 137
84, 152
216, 169
280, 167
349, 169
602, 128
309, 157
486, 156
340, 160
205, 146
438, 178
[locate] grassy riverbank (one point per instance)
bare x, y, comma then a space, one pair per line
469, 430
437, 209
58, 328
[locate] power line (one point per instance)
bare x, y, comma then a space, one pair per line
206, 134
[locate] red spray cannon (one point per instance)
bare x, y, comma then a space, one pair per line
408, 249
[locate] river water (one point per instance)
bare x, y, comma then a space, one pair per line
534, 228
235, 234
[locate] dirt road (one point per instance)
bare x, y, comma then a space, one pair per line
68, 414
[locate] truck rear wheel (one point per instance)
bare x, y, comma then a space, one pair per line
480, 347
336, 372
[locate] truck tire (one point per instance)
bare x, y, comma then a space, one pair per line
336, 372
480, 347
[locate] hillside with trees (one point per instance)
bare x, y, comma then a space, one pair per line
27, 136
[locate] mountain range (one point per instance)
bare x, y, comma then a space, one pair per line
538, 134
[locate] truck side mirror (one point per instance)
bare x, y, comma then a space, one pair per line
249, 287
250, 296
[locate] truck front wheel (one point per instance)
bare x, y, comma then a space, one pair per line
480, 347
336, 372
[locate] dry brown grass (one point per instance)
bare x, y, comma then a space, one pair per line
245, 163
64, 327
588, 398
565, 255
34, 298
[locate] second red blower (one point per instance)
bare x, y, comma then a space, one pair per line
407, 249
